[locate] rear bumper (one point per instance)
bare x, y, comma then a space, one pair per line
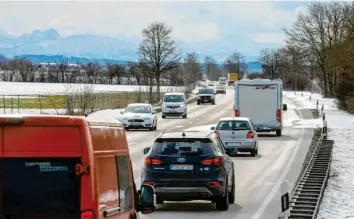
199, 191
249, 145
173, 112
267, 127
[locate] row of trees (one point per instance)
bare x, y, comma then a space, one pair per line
319, 50
160, 63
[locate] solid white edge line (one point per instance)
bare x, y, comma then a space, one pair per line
275, 189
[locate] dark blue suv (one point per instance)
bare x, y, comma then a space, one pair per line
185, 166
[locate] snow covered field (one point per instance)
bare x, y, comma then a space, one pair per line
338, 198
23, 88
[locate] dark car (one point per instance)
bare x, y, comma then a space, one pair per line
193, 165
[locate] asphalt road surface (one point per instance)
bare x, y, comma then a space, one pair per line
257, 178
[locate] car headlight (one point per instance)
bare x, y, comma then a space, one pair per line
147, 119
198, 97
181, 106
211, 97
163, 105
124, 119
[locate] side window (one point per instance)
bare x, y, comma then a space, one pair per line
215, 145
124, 182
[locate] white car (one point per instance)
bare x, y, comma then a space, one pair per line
220, 89
139, 116
174, 104
238, 134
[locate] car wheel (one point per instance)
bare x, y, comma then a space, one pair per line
184, 116
213, 102
159, 200
155, 127
278, 132
163, 116
222, 203
198, 103
253, 152
232, 193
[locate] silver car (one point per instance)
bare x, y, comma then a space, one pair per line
238, 135
139, 116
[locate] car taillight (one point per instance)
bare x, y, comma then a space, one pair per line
88, 215
215, 161
149, 183
214, 183
279, 115
152, 161
217, 133
237, 113
250, 134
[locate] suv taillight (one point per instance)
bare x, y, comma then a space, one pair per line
152, 161
215, 161
88, 215
250, 134
217, 133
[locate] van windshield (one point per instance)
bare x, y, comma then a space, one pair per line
40, 188
206, 91
182, 147
173, 98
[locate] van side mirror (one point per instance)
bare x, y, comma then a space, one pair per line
153, 112
122, 112
146, 150
147, 199
285, 107
212, 128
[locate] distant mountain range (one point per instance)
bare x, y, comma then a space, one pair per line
49, 46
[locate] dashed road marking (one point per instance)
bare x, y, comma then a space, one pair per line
131, 143
150, 136
179, 126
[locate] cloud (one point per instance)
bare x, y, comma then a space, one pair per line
269, 38
192, 22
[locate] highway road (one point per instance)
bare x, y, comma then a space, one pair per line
258, 178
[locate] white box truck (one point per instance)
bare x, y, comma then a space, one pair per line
261, 100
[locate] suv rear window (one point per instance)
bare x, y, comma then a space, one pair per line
233, 125
185, 147
40, 188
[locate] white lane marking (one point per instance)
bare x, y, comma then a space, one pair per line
131, 143
179, 126
190, 122
150, 136
275, 189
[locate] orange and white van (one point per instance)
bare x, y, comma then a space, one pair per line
62, 167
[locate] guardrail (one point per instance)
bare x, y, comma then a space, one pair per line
307, 195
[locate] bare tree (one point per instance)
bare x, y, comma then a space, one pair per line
24, 68
269, 60
235, 63
192, 70
158, 51
211, 69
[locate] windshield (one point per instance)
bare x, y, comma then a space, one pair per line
233, 125
40, 188
173, 98
182, 147
206, 91
138, 109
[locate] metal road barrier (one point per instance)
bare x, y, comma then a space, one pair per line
306, 198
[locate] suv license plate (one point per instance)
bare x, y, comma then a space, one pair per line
181, 167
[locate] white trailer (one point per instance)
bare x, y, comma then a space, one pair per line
261, 100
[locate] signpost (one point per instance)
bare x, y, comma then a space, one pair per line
285, 200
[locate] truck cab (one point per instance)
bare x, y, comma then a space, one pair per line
261, 100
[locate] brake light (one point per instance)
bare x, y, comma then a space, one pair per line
152, 161
215, 161
237, 113
250, 134
279, 115
12, 120
217, 133
88, 215
214, 183
149, 183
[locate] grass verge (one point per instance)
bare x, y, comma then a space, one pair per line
88, 101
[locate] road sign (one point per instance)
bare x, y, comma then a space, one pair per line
285, 200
